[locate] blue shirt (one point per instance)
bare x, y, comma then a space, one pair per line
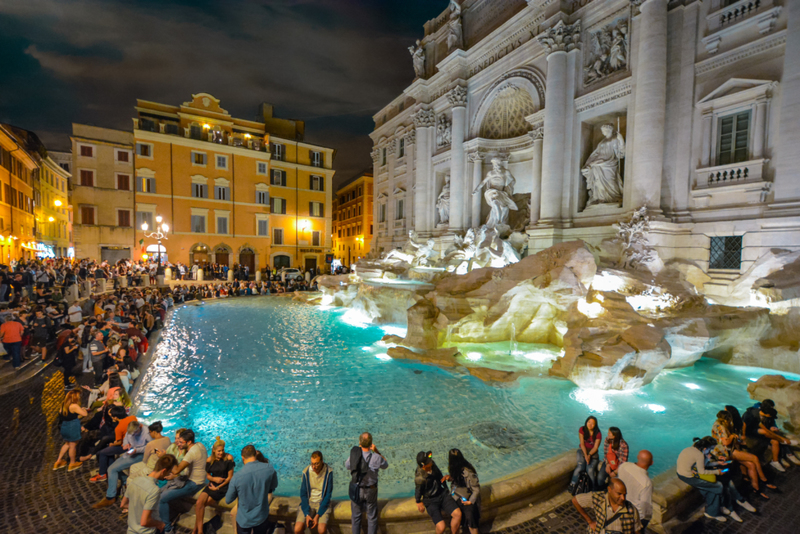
252, 484
375, 462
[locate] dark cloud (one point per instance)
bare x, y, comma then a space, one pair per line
333, 63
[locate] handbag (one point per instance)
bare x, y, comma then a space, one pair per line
708, 478
584, 484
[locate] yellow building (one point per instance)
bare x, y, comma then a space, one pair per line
231, 190
19, 154
352, 219
53, 210
102, 193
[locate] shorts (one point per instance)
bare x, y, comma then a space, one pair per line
38, 342
301, 517
437, 505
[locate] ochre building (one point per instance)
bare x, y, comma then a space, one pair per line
352, 219
53, 211
19, 166
231, 190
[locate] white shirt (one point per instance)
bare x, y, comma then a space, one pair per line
196, 458
75, 313
640, 488
691, 457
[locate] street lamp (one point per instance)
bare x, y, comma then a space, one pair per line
57, 203
159, 234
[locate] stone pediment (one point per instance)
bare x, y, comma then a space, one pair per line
735, 89
399, 191
382, 196
205, 102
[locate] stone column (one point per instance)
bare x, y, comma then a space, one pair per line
557, 40
536, 173
787, 153
423, 122
230, 275
458, 181
258, 276
760, 130
705, 157
650, 105
477, 176
201, 274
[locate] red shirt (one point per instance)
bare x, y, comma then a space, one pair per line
590, 441
11, 332
122, 427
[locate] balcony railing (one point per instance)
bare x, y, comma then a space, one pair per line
731, 174
207, 135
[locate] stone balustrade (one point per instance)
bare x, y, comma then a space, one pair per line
733, 173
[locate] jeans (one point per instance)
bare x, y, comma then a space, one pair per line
107, 456
263, 528
591, 468
13, 350
115, 472
369, 503
67, 371
171, 494
711, 491
730, 494
87, 359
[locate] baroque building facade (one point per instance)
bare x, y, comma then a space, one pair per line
593, 109
352, 219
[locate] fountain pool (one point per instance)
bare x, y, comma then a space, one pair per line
292, 378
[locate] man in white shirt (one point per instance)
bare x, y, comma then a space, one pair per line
75, 313
193, 466
640, 487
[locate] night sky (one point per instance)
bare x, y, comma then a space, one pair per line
332, 63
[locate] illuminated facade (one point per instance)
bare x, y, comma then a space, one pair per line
232, 190
19, 156
352, 219
53, 210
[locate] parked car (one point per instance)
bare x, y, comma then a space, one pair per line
290, 274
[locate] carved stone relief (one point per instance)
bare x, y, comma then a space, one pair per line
608, 52
443, 133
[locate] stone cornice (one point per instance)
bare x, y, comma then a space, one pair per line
737, 54
596, 98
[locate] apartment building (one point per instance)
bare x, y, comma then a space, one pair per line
19, 165
352, 219
53, 210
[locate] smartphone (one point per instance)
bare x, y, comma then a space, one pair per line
131, 451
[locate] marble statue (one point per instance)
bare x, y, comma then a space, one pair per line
492, 251
413, 253
601, 169
499, 184
608, 53
418, 56
443, 202
458, 258
455, 38
443, 134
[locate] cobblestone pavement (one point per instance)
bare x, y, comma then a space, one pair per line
33, 498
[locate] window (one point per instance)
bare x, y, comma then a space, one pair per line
370, 229
263, 227
199, 158
402, 148
278, 206
359, 209
315, 239
195, 131
316, 158
278, 177
87, 178
145, 184
726, 253
147, 125
144, 217
222, 225
172, 128
340, 232
277, 150
144, 150
222, 192
734, 138
122, 156
277, 236
383, 157
317, 183
87, 151
222, 162
199, 191
199, 224
261, 168
400, 214
262, 197
124, 218
87, 214
124, 182
316, 209
382, 213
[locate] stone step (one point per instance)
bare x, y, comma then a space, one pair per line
11, 379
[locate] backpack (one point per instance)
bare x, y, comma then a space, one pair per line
357, 473
584, 484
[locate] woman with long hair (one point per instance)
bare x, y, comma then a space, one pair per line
466, 489
590, 440
729, 448
219, 471
615, 453
70, 425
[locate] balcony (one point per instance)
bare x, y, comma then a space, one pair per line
735, 184
208, 135
731, 174
737, 15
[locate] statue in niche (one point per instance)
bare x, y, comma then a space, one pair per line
601, 169
418, 57
499, 184
455, 38
443, 202
443, 134
608, 54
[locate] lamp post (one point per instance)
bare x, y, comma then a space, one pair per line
158, 234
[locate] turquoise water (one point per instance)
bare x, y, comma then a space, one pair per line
292, 378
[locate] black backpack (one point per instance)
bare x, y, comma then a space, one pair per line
358, 469
584, 485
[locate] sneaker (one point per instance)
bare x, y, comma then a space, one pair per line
777, 467
784, 463
98, 478
73, 467
60, 465
747, 506
104, 503
725, 511
733, 515
88, 371
794, 459
794, 442
719, 518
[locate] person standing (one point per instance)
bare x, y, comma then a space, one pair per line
364, 463
11, 332
41, 333
98, 352
431, 494
639, 485
70, 425
253, 486
466, 488
612, 512
194, 463
142, 499
66, 358
316, 488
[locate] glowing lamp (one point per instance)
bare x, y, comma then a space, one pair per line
51, 219
144, 226
165, 226
159, 219
144, 256
58, 203
206, 126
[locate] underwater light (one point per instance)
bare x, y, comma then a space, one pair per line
474, 356
691, 386
383, 356
657, 408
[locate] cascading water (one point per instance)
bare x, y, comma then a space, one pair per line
512, 342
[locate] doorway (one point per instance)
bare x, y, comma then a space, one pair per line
247, 258
281, 262
311, 263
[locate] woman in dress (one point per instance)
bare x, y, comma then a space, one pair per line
466, 489
219, 471
69, 416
